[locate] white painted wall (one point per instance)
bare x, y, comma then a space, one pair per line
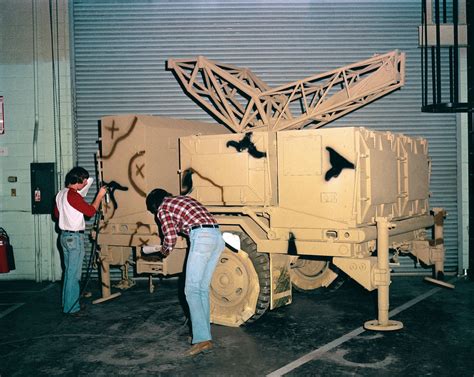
26, 82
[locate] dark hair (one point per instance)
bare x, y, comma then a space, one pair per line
76, 175
155, 198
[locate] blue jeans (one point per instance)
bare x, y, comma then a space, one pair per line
73, 248
206, 247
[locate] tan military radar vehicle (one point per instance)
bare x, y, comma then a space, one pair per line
305, 203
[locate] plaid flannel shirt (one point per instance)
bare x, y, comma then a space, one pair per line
178, 214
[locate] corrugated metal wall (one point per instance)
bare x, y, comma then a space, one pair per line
121, 47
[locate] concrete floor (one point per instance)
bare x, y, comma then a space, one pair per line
320, 334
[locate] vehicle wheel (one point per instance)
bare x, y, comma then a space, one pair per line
309, 274
240, 286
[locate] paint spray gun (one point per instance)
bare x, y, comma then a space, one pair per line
111, 187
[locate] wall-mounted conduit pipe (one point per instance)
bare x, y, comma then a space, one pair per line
37, 224
56, 102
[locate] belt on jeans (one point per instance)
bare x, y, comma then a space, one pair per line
73, 231
204, 226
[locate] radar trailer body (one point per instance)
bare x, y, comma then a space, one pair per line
306, 203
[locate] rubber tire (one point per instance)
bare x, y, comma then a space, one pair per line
256, 300
336, 284
261, 263
309, 283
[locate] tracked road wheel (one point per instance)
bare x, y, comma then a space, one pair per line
308, 274
240, 287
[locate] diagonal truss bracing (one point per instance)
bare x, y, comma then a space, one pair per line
243, 102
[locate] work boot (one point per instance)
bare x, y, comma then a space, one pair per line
198, 348
78, 314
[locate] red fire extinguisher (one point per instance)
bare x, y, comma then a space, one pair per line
7, 262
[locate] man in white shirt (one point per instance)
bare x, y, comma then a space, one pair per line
70, 210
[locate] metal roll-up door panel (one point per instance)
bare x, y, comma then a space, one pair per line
120, 49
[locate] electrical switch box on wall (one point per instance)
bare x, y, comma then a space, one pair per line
43, 187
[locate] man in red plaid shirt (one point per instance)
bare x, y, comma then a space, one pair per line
185, 215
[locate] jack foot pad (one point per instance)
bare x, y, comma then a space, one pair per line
124, 284
102, 299
374, 325
439, 282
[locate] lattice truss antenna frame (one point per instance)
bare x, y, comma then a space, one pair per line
244, 102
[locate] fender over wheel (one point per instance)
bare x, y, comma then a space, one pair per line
240, 286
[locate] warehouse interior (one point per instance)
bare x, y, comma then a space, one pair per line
72, 70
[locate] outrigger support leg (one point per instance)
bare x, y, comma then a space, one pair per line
105, 281
437, 251
382, 280
151, 286
126, 282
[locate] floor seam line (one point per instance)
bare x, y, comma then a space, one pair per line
9, 310
346, 337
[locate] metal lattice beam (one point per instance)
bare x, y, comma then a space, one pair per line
243, 102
